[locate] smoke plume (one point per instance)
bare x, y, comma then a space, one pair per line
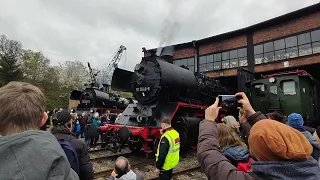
169, 26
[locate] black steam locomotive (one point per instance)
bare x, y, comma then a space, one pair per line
91, 97
95, 100
163, 90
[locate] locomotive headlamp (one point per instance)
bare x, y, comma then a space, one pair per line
272, 80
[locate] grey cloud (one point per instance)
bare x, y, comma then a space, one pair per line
92, 31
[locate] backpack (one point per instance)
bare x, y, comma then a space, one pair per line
70, 153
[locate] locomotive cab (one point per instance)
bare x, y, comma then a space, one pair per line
287, 92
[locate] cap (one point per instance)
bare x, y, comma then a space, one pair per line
295, 120
62, 117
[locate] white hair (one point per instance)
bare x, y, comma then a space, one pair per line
96, 115
231, 121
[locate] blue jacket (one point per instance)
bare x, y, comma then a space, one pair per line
95, 122
316, 149
236, 154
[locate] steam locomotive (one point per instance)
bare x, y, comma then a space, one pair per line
94, 100
163, 90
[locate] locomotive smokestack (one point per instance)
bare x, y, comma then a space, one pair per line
167, 53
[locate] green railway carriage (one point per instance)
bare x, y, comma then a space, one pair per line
288, 92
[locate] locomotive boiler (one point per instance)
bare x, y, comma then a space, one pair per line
163, 90
95, 100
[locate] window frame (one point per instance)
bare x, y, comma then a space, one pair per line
282, 87
293, 47
191, 67
276, 87
263, 93
216, 61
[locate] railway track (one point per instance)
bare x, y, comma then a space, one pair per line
177, 173
111, 156
107, 172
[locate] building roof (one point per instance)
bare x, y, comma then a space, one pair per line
271, 22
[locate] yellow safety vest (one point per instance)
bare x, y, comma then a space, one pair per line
172, 158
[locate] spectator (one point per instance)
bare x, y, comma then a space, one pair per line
122, 170
278, 116
280, 151
233, 123
75, 124
232, 147
96, 120
93, 131
62, 127
112, 118
309, 129
118, 117
316, 134
25, 151
83, 121
296, 121
105, 118
244, 126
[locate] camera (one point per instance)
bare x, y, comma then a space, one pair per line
229, 102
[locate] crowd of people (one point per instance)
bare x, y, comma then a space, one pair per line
256, 146
30, 151
262, 146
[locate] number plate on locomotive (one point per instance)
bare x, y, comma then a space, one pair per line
142, 89
86, 101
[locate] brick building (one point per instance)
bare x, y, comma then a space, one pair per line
290, 41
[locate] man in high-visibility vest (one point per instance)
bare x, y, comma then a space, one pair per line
167, 156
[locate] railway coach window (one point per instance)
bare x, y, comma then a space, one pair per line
289, 88
259, 89
273, 89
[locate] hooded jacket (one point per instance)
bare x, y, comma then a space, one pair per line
236, 154
33, 155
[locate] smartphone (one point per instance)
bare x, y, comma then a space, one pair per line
229, 102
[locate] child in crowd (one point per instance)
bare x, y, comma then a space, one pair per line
25, 151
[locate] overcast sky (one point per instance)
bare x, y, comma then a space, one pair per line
92, 30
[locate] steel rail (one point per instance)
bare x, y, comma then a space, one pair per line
108, 172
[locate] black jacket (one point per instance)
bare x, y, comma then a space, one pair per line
245, 131
163, 151
86, 169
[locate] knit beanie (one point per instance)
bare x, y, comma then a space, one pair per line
271, 140
296, 121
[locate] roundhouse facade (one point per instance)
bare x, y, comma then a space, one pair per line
290, 41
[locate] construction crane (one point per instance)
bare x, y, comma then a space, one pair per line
107, 73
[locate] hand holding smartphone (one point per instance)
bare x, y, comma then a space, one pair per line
229, 102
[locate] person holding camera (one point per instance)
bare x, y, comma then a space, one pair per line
279, 151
